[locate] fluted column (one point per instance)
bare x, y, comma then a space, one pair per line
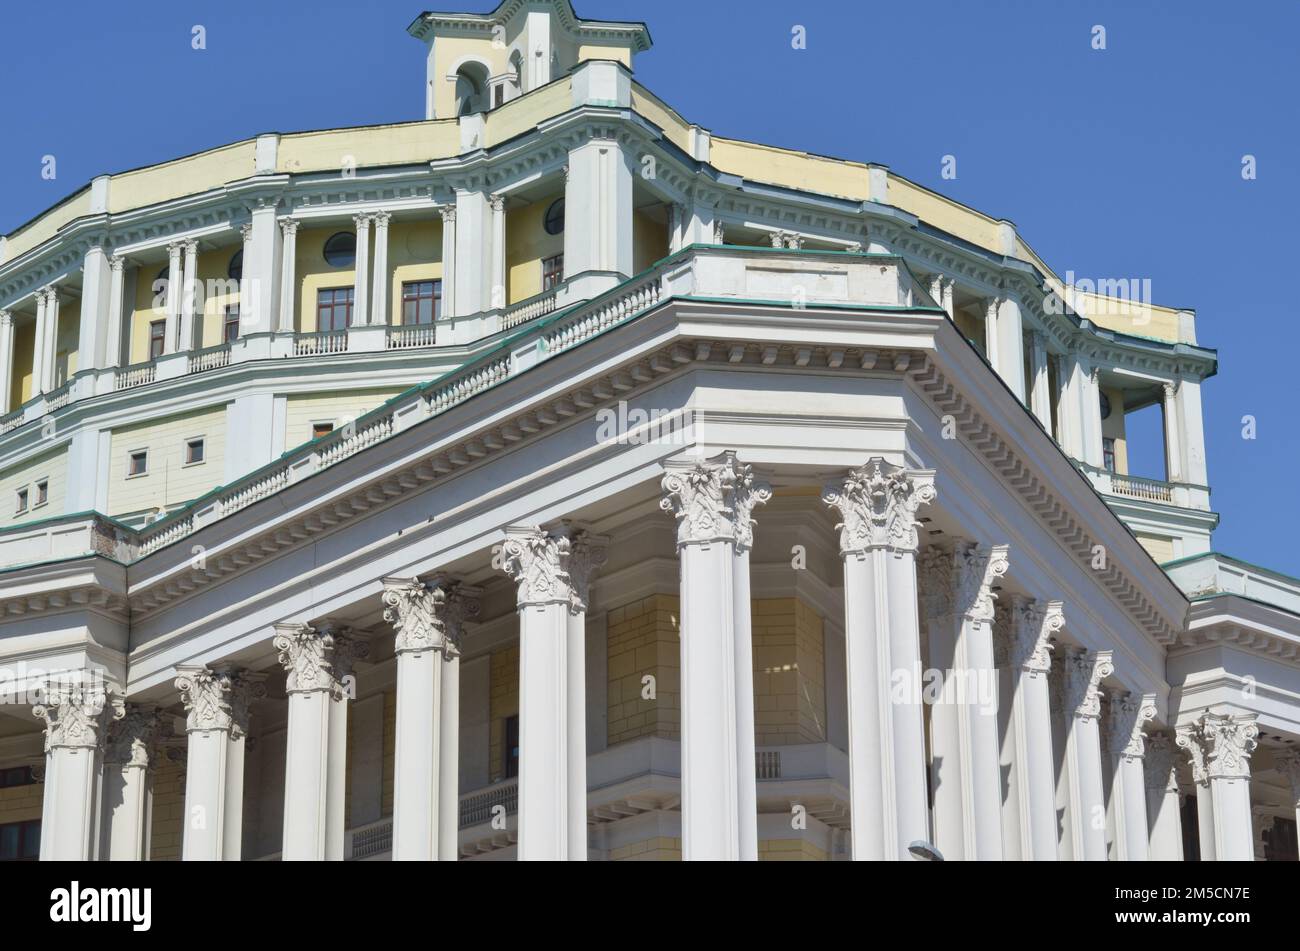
76, 715
1220, 746
992, 343
288, 275
1288, 766
6, 359
1040, 390
361, 286
449, 261
217, 708
175, 286
189, 295
957, 594
379, 295
1173, 433
318, 663
877, 505
38, 342
543, 565
1080, 674
1126, 717
128, 782
587, 553
1029, 818
429, 620
1163, 809
498, 289
713, 502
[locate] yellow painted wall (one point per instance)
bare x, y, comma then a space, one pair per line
944, 213
186, 176
21, 803
661, 114
51, 465
523, 114
168, 481
790, 850
145, 309
527, 244
314, 274
789, 673
659, 849
620, 54
503, 702
1113, 428
1161, 549
763, 163
450, 49
48, 225
1130, 316
333, 150
390, 752
414, 254
216, 292
643, 640
168, 811
303, 411
21, 386
649, 241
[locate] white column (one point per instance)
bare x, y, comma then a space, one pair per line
128, 783
992, 344
95, 291
1164, 819
259, 307
1173, 434
497, 289
543, 565
449, 261
1288, 766
1011, 343
877, 505
76, 714
1080, 675
713, 502
116, 306
175, 285
1126, 718
288, 275
1029, 831
247, 300
1040, 391
1220, 746
6, 359
379, 316
587, 553
51, 349
473, 252
429, 620
1193, 432
38, 344
189, 296
361, 290
957, 593
1092, 449
216, 703
448, 806
949, 306
598, 209
318, 664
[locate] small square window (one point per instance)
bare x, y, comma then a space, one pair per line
137, 463
42, 492
321, 429
193, 451
20, 501
552, 272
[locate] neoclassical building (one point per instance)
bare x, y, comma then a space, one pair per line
551, 478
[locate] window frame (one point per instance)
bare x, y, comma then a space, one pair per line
157, 335
350, 306
130, 456
230, 317
42, 487
319, 423
28, 851
325, 250
189, 441
552, 270
435, 297
22, 500
546, 217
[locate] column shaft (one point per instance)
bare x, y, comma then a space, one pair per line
449, 758
116, 306
175, 283
6, 359
188, 297
288, 276
361, 290
379, 314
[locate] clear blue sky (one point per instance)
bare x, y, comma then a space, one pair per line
1117, 163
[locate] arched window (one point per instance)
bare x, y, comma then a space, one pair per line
235, 270
554, 221
471, 89
517, 70
341, 250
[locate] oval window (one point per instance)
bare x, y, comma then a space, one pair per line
555, 217
341, 250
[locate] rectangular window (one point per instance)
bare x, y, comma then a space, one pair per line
421, 302
157, 338
42, 492
230, 329
1108, 453
193, 451
137, 463
511, 764
552, 271
321, 429
20, 501
334, 308
20, 841
16, 776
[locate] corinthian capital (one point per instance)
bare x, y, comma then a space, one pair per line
218, 699
429, 616
960, 580
1288, 765
877, 504
1161, 762
1084, 672
1033, 625
132, 740
1220, 745
307, 655
1127, 716
77, 713
713, 500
